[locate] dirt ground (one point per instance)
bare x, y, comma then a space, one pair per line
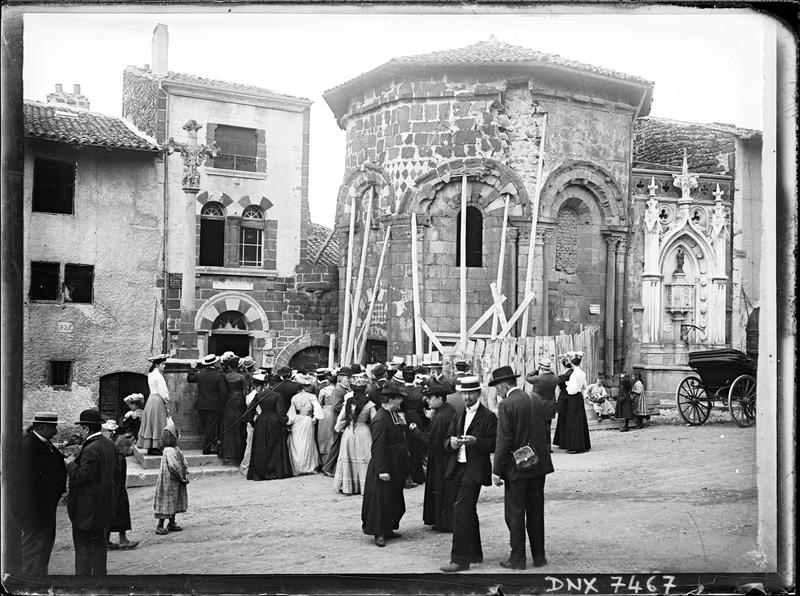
663, 499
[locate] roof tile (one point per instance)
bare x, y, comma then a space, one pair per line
55, 122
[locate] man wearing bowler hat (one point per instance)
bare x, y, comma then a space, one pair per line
212, 394
44, 481
544, 385
90, 502
521, 421
470, 441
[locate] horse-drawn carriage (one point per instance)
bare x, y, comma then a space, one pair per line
724, 375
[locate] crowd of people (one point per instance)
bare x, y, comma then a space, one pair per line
375, 431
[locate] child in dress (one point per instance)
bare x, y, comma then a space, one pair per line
171, 496
639, 402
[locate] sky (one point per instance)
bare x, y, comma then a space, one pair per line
706, 63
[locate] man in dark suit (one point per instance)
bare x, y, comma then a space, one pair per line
90, 502
211, 397
44, 481
337, 401
521, 421
470, 441
544, 385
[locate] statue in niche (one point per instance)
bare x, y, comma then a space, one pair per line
679, 257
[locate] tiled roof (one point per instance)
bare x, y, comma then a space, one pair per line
494, 51
189, 79
60, 123
320, 239
658, 143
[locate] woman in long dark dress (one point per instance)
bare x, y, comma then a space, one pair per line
576, 431
561, 404
440, 493
383, 504
269, 456
234, 438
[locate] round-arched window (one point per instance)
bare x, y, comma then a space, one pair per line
252, 212
214, 209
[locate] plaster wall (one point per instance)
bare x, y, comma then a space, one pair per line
283, 184
117, 228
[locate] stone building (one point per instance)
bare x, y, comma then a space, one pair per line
417, 125
92, 231
238, 274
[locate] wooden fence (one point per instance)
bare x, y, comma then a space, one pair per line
523, 354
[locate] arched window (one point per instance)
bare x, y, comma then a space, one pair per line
474, 238
251, 237
212, 235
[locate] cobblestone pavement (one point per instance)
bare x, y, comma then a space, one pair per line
663, 499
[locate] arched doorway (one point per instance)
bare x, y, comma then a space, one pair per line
115, 387
310, 359
229, 333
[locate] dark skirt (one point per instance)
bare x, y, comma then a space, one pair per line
383, 504
561, 420
440, 494
624, 407
234, 439
121, 517
269, 456
576, 429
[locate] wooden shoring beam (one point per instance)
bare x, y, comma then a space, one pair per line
501, 261
415, 288
522, 308
497, 305
362, 341
331, 349
463, 268
360, 282
534, 218
431, 335
348, 274
492, 310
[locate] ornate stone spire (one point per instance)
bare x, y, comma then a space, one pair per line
685, 181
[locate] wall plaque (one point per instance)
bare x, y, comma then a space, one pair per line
64, 327
232, 284
175, 280
594, 309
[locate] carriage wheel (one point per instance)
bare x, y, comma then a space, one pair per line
693, 403
742, 401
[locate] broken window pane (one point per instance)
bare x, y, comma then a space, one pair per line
78, 283
53, 186
44, 280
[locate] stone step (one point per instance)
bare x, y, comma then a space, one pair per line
194, 458
211, 466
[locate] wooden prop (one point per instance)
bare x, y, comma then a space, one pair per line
359, 284
534, 218
415, 287
501, 261
362, 343
510, 324
497, 305
484, 317
431, 335
463, 253
348, 275
331, 348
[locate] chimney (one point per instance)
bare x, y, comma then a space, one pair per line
160, 49
65, 98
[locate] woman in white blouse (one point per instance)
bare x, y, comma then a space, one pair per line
156, 408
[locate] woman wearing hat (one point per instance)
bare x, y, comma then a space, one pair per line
234, 435
576, 427
355, 448
269, 457
303, 410
561, 403
132, 420
383, 505
156, 411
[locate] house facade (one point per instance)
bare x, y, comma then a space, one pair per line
93, 244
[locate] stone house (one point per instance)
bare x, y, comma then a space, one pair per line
239, 275
92, 231
418, 125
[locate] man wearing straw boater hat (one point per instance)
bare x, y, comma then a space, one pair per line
521, 421
211, 396
91, 495
44, 481
472, 437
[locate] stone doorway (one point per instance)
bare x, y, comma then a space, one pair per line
237, 343
115, 387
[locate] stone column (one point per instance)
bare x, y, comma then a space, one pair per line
193, 156
547, 271
619, 315
611, 283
